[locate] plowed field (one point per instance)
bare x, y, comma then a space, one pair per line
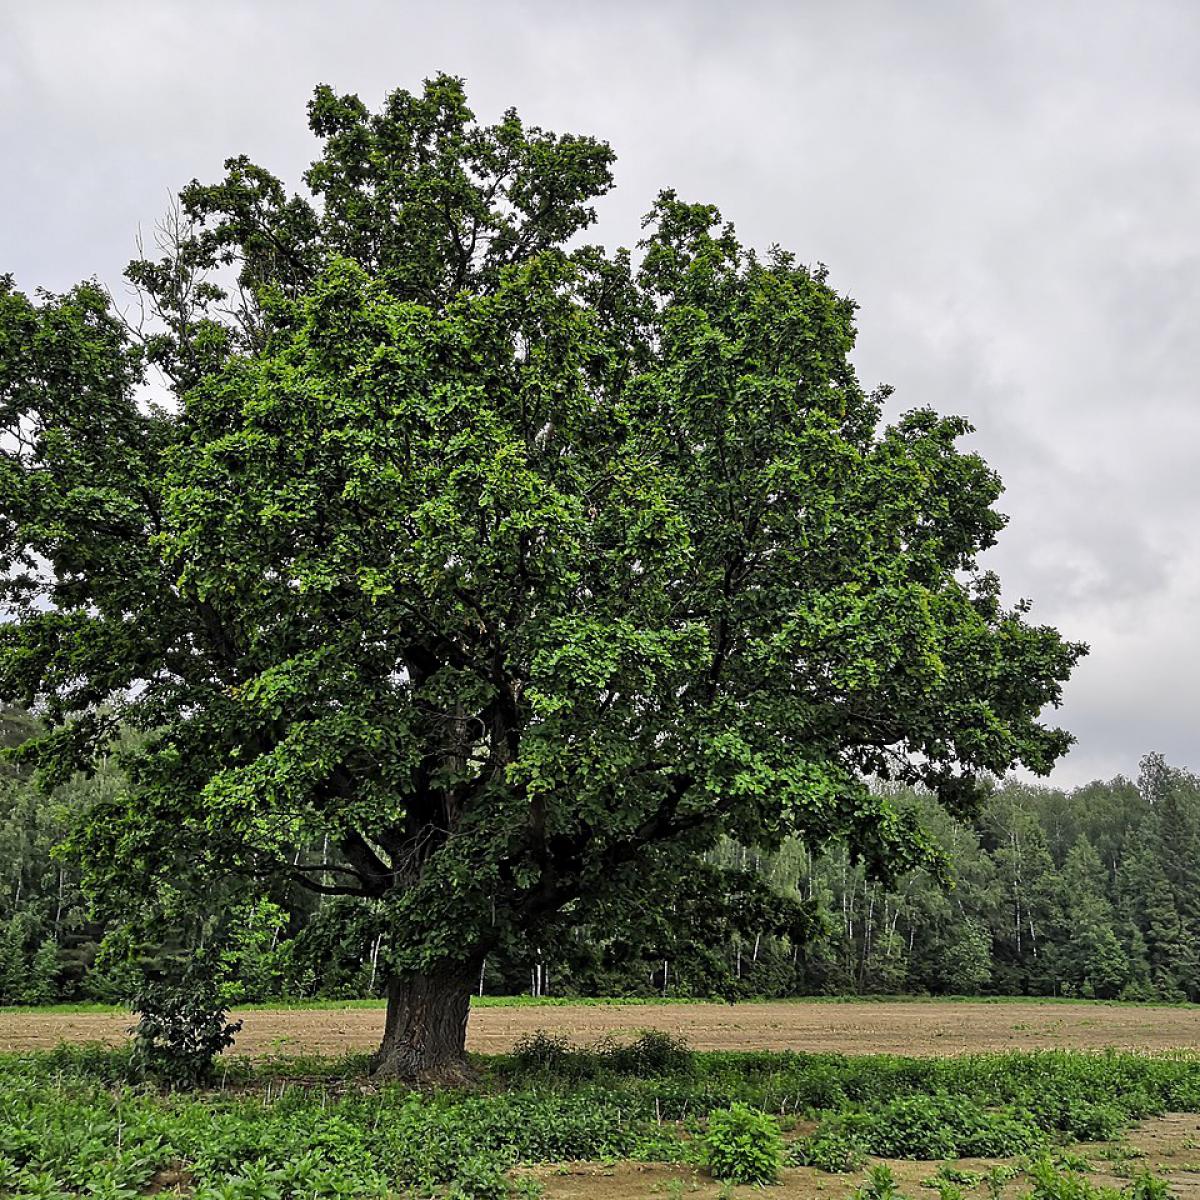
934, 1028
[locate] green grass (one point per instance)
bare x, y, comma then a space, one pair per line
318, 1005
315, 1005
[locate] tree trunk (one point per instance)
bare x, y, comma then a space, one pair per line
425, 1031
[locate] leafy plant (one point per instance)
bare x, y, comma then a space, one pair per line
479, 1178
180, 1031
41, 1185
653, 1052
743, 1145
69, 1122
834, 1152
525, 1187
957, 1175
1146, 1186
547, 1053
947, 1190
996, 1178
1067, 1160
1050, 1183
880, 1184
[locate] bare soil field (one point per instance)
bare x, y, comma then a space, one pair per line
935, 1028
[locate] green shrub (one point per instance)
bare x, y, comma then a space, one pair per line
1085, 1120
948, 1127
652, 1053
1068, 1160
525, 1187
931, 1127
833, 1152
41, 1185
821, 1087
743, 1145
545, 1053
997, 1177
180, 1031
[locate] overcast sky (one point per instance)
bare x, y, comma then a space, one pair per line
1011, 191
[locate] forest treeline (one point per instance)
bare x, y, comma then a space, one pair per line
1093, 892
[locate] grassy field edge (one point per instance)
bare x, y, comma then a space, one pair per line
322, 1005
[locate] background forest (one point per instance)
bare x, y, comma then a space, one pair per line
1093, 892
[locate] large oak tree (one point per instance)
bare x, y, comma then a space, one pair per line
511, 571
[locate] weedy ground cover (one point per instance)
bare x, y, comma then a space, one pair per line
72, 1123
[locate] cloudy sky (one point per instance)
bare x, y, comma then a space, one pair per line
1009, 188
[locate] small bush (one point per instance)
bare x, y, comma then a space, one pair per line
653, 1053
833, 1152
743, 1145
820, 1087
180, 1031
1068, 1160
948, 1127
543, 1052
1084, 1120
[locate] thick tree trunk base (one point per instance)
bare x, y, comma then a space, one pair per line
452, 1074
425, 1032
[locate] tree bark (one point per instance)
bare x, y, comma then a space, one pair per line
425, 1031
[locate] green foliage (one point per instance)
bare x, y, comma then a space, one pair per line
948, 1191
1067, 1161
830, 1150
552, 1054
525, 1187
743, 1145
181, 1029
997, 1177
43, 974
1146, 1186
70, 1119
484, 578
880, 1185
944, 1125
1049, 1183
479, 1179
653, 1053
956, 1175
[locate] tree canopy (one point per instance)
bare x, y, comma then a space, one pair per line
481, 574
